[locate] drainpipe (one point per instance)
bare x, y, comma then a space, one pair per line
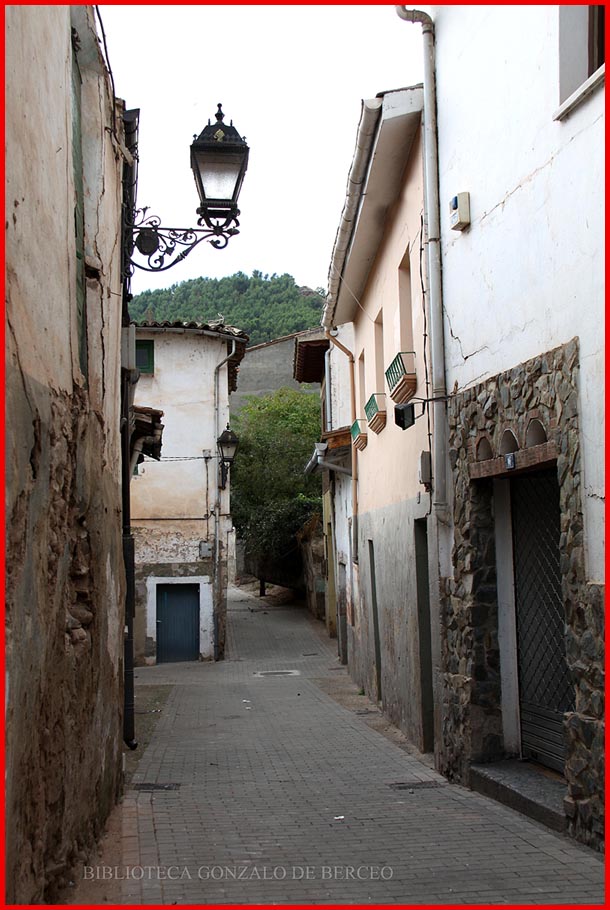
129, 734
432, 207
352, 389
317, 459
218, 497
327, 391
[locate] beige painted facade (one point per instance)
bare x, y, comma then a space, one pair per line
180, 515
385, 646
65, 578
375, 286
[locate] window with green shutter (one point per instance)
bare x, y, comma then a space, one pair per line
145, 356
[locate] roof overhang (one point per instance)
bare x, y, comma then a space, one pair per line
369, 200
309, 352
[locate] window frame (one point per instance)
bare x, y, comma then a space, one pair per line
148, 345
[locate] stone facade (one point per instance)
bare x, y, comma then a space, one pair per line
534, 400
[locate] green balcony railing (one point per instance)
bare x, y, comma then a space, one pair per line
374, 405
402, 365
357, 428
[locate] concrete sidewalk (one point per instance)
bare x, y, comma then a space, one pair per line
263, 789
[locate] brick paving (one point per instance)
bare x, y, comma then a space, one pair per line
281, 795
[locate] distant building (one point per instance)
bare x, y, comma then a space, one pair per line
180, 514
267, 367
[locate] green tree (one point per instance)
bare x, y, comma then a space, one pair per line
271, 496
266, 307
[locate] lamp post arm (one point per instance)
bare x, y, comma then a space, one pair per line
163, 247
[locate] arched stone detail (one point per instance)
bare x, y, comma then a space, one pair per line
535, 434
508, 442
483, 449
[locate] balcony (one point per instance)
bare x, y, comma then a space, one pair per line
401, 377
375, 411
359, 437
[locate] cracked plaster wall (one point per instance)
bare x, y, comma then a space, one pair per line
65, 577
528, 273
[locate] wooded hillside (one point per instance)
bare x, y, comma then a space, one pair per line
264, 306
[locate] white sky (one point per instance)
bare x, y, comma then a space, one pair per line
291, 78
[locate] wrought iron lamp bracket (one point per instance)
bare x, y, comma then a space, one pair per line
163, 247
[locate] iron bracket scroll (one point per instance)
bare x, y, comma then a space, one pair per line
163, 247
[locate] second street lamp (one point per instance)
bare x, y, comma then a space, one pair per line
227, 448
219, 158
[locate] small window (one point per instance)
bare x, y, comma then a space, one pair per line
145, 356
597, 45
581, 46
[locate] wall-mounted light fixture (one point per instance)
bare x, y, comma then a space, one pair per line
227, 447
219, 158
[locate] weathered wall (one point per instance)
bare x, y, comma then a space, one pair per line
311, 543
391, 530
65, 579
544, 388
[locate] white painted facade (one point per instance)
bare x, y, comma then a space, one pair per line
528, 274
180, 515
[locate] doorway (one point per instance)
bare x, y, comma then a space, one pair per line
177, 622
546, 691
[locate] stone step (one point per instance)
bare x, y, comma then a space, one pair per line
524, 786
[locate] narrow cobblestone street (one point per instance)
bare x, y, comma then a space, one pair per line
264, 789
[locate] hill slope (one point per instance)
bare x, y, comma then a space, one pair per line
266, 307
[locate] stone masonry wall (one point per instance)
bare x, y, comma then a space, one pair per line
64, 646
542, 389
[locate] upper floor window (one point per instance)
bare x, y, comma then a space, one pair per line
380, 363
581, 46
145, 356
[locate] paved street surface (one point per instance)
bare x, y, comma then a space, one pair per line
264, 789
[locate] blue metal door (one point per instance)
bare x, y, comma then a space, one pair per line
177, 622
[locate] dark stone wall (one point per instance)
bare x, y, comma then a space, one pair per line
65, 591
546, 389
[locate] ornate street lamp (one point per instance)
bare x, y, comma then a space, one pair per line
219, 158
227, 447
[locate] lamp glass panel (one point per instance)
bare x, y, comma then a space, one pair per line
219, 173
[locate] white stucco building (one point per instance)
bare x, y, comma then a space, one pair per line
507, 321
180, 513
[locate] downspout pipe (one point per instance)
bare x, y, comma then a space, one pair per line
217, 579
432, 207
352, 389
318, 460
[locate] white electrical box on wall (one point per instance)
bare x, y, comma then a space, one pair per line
425, 469
459, 211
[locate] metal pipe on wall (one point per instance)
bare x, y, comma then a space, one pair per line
352, 388
432, 209
216, 586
